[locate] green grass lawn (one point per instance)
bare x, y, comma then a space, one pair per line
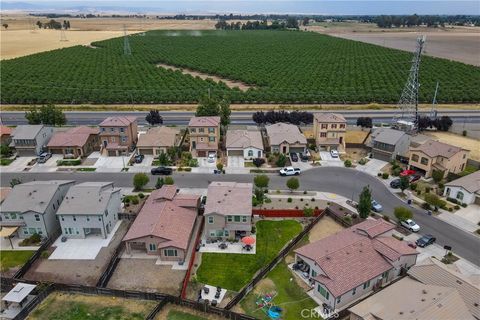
233, 271
10, 259
87, 169
5, 161
290, 296
178, 315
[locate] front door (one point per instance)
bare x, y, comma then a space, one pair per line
105, 143
194, 145
341, 140
284, 149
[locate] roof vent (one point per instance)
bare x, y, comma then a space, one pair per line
423, 299
459, 282
424, 291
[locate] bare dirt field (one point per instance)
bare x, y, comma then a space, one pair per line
324, 228
83, 272
457, 140
147, 277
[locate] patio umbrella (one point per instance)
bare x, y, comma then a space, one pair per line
248, 240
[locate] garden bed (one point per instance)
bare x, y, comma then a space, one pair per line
293, 203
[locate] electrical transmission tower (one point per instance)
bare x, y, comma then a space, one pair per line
126, 45
63, 36
408, 103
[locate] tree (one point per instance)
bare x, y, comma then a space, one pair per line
5, 25
225, 112
220, 166
364, 202
47, 115
140, 180
154, 117
164, 160
434, 200
437, 175
261, 181
5, 150
259, 195
258, 162
404, 183
169, 181
306, 21
364, 122
207, 107
293, 184
402, 213
443, 124
159, 183
39, 24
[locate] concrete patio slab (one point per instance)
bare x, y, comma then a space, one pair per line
236, 247
6, 245
211, 294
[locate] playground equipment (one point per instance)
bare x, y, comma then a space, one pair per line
265, 302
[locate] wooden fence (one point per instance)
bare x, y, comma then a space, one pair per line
192, 259
112, 264
285, 213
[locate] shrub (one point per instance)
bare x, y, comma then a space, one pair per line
464, 133
362, 161
74, 162
289, 200
305, 192
45, 254
126, 199
449, 209
140, 180
386, 218
301, 199
293, 184
427, 189
464, 205
220, 166
169, 181
396, 171
253, 229
258, 162
347, 163
281, 160
347, 219
159, 183
456, 207
426, 206
261, 181
419, 192
434, 200
313, 199
385, 175
413, 186
379, 174
268, 200
308, 212
141, 195
402, 213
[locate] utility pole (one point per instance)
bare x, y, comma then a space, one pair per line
126, 45
433, 112
63, 36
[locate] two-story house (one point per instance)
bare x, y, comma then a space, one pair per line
351, 263
228, 210
285, 138
31, 140
118, 135
387, 144
89, 208
165, 225
75, 142
30, 207
329, 130
204, 135
434, 155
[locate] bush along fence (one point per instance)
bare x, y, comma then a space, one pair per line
283, 253
192, 259
286, 213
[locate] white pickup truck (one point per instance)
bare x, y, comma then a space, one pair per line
290, 171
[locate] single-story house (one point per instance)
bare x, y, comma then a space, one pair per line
286, 138
89, 208
353, 262
246, 143
157, 140
465, 189
165, 224
77, 141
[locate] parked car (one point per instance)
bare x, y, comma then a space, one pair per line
405, 173
413, 178
426, 240
290, 171
211, 158
377, 207
410, 225
42, 158
334, 153
139, 158
161, 171
395, 184
293, 156
303, 157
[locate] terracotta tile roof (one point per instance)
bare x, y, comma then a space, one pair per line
118, 121
229, 198
206, 146
158, 137
164, 218
115, 146
74, 137
242, 139
470, 182
4, 130
398, 246
284, 132
204, 122
374, 227
329, 117
434, 148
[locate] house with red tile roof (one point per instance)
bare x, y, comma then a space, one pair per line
165, 224
118, 135
351, 263
5, 135
77, 141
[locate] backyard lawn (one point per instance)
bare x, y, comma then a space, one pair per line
233, 271
291, 297
10, 259
65, 306
178, 315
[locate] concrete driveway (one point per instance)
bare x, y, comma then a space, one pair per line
144, 166
18, 165
111, 164
235, 162
372, 167
49, 166
329, 161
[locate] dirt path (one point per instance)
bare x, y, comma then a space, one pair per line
230, 83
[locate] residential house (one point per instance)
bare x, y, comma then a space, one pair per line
351, 263
435, 155
388, 144
434, 272
30, 207
411, 299
5, 135
204, 135
329, 130
228, 210
89, 208
118, 135
31, 140
157, 140
244, 143
465, 189
285, 138
165, 225
76, 142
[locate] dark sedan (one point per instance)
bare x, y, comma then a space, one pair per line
294, 157
162, 171
426, 240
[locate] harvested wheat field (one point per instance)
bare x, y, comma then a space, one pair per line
460, 141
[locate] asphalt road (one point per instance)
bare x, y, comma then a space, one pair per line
343, 181
237, 117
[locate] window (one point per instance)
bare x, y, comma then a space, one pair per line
7, 216
424, 161
37, 217
212, 233
210, 220
99, 218
229, 219
124, 139
58, 201
103, 129
244, 219
250, 153
366, 284
32, 230
314, 273
415, 157
334, 126
237, 218
227, 233
339, 299
193, 130
112, 129
62, 218
25, 231
170, 252
39, 231
460, 195
88, 218
152, 247
54, 206
122, 129
342, 126
385, 274
74, 218
106, 213
324, 126
323, 134
211, 139
14, 216
323, 292
211, 130
354, 291
201, 130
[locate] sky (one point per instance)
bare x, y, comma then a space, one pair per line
321, 7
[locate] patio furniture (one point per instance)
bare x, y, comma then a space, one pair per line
217, 295
206, 290
219, 289
223, 245
248, 240
214, 303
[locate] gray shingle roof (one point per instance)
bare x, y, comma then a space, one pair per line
470, 182
387, 135
244, 139
26, 131
87, 198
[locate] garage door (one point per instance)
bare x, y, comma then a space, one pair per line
26, 152
297, 150
238, 153
381, 156
145, 151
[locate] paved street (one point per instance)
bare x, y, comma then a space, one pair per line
343, 181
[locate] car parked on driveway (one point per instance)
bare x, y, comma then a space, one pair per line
334, 153
293, 156
161, 171
426, 240
377, 207
410, 225
395, 184
44, 157
304, 157
139, 158
413, 178
405, 173
211, 158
